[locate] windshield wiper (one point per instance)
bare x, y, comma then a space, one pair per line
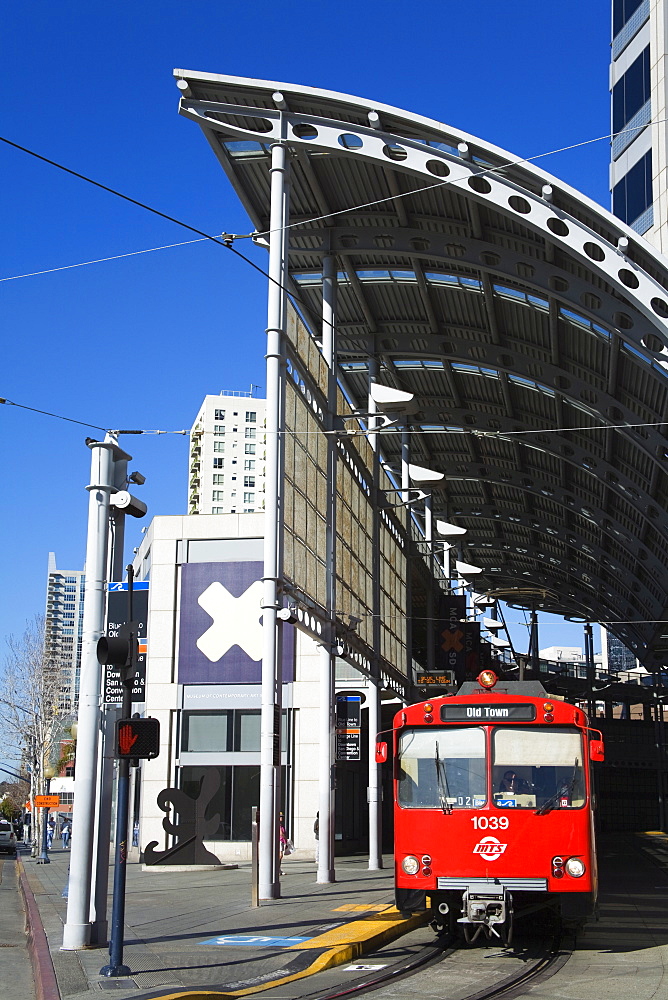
442, 782
549, 805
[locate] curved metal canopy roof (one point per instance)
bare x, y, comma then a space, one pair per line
530, 324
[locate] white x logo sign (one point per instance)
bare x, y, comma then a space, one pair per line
236, 621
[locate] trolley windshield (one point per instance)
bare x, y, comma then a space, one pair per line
537, 769
442, 768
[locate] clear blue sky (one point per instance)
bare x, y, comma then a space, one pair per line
138, 342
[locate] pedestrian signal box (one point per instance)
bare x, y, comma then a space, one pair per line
137, 738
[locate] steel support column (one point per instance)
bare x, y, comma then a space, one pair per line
406, 509
374, 787
429, 540
327, 767
270, 743
591, 671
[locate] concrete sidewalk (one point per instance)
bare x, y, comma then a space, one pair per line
175, 920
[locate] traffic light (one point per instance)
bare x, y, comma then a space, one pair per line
119, 650
137, 738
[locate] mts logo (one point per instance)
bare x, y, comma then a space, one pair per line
489, 848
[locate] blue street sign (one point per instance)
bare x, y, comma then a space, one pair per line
255, 941
113, 587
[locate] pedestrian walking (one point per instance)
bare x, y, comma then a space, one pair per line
316, 834
282, 841
65, 834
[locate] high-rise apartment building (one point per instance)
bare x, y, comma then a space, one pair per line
640, 137
63, 629
227, 455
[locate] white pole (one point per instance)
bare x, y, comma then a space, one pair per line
429, 540
405, 463
99, 930
373, 791
270, 742
374, 794
76, 932
326, 766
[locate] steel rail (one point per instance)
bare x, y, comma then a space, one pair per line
542, 968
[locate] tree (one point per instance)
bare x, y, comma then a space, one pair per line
30, 717
12, 797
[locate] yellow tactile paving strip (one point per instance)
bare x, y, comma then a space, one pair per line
341, 944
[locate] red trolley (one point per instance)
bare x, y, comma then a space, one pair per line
493, 806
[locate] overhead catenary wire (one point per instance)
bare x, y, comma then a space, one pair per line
225, 239
82, 423
57, 416
100, 260
110, 190
361, 432
452, 181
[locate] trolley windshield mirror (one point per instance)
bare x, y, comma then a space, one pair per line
537, 768
442, 767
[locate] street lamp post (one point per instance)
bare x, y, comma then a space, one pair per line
43, 858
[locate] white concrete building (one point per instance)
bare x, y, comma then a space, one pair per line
639, 149
227, 455
569, 654
573, 659
203, 684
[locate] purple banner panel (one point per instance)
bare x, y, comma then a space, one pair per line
220, 634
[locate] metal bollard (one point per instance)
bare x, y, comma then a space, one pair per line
255, 868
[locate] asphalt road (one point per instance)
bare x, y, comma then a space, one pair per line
15, 967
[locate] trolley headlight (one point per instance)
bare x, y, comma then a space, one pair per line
575, 867
410, 865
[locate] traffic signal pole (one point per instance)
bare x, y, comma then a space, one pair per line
77, 929
115, 966
99, 933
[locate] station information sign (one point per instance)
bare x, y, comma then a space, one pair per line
117, 615
348, 727
443, 678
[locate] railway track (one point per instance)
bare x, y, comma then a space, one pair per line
455, 972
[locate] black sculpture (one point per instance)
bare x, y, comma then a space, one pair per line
191, 827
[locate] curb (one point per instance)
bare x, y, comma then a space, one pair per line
46, 984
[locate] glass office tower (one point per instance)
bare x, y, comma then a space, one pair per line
637, 86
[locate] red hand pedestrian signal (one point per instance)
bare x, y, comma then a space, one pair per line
126, 739
138, 738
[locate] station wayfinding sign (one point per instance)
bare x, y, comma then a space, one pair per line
348, 727
442, 678
117, 615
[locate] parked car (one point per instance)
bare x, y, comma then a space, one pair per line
7, 837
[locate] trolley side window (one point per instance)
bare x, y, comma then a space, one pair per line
442, 768
537, 768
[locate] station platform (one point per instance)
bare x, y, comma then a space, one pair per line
191, 935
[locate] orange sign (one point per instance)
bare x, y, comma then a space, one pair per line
47, 802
